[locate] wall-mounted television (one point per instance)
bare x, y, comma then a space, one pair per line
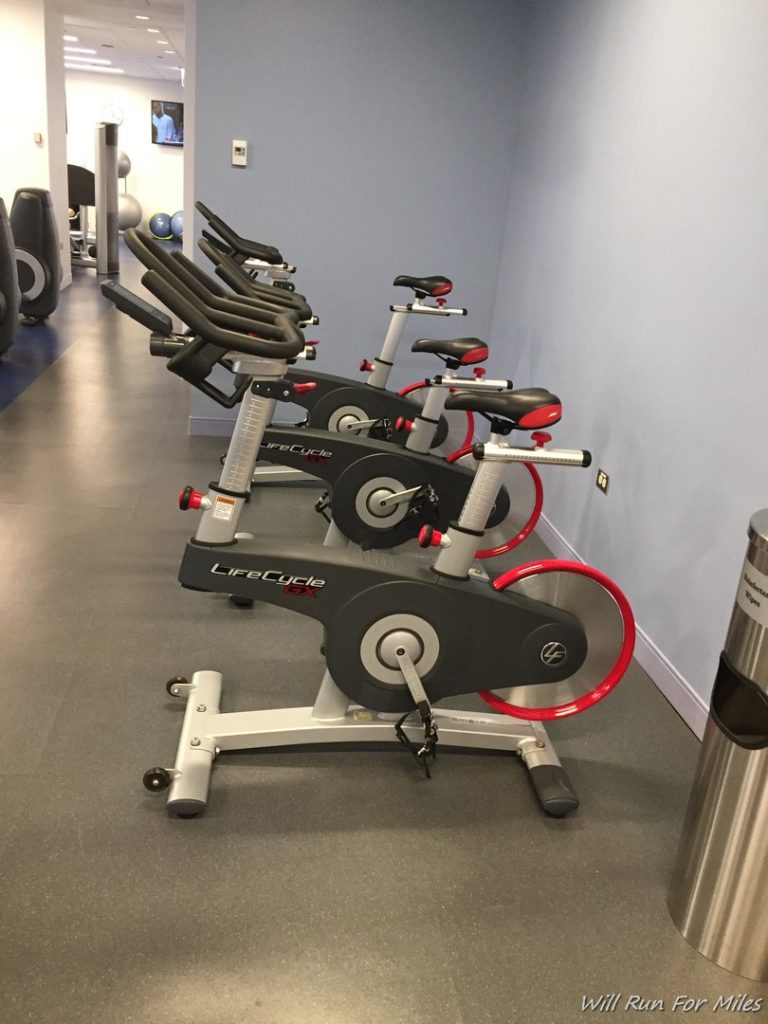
167, 123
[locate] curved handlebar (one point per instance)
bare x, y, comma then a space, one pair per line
204, 210
192, 286
243, 246
289, 344
220, 301
233, 273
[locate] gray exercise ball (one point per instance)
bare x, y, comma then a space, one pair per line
123, 165
129, 211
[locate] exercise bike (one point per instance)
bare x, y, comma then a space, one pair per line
379, 495
338, 403
399, 636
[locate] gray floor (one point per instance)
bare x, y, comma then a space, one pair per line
333, 888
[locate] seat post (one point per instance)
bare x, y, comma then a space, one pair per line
382, 364
455, 559
218, 523
424, 426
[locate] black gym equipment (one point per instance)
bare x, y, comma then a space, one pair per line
380, 495
337, 402
10, 293
399, 635
38, 257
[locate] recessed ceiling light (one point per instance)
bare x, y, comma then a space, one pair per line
88, 60
90, 67
70, 39
162, 42
77, 49
142, 17
169, 51
155, 30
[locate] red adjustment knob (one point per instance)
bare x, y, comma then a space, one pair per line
299, 389
442, 302
479, 371
429, 537
540, 438
312, 343
403, 425
365, 365
190, 498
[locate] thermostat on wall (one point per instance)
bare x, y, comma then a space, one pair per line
239, 153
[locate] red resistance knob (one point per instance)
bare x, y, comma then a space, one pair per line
402, 425
313, 344
540, 438
365, 365
429, 537
479, 372
299, 389
190, 498
442, 302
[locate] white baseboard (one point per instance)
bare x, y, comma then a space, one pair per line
681, 695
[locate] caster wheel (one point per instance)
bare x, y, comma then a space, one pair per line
156, 780
241, 602
171, 687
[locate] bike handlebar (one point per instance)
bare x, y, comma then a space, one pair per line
288, 345
242, 246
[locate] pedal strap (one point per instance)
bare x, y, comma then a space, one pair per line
322, 504
382, 430
425, 505
428, 750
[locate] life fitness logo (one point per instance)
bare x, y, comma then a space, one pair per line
297, 586
309, 454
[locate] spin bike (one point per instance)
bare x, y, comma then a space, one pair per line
380, 495
339, 403
400, 636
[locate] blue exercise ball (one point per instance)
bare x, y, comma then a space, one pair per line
177, 224
160, 225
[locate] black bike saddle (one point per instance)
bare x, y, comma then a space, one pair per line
464, 350
524, 409
425, 285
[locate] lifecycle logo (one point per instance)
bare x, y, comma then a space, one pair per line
309, 454
296, 586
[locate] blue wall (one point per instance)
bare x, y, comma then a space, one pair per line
633, 283
380, 142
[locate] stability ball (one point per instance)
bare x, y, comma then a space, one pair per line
129, 212
123, 165
177, 224
160, 225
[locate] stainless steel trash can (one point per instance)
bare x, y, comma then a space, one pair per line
718, 896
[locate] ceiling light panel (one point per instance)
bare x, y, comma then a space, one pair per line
87, 60
91, 67
115, 23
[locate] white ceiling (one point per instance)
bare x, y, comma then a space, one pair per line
112, 29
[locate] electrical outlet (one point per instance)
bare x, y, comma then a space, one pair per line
601, 481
